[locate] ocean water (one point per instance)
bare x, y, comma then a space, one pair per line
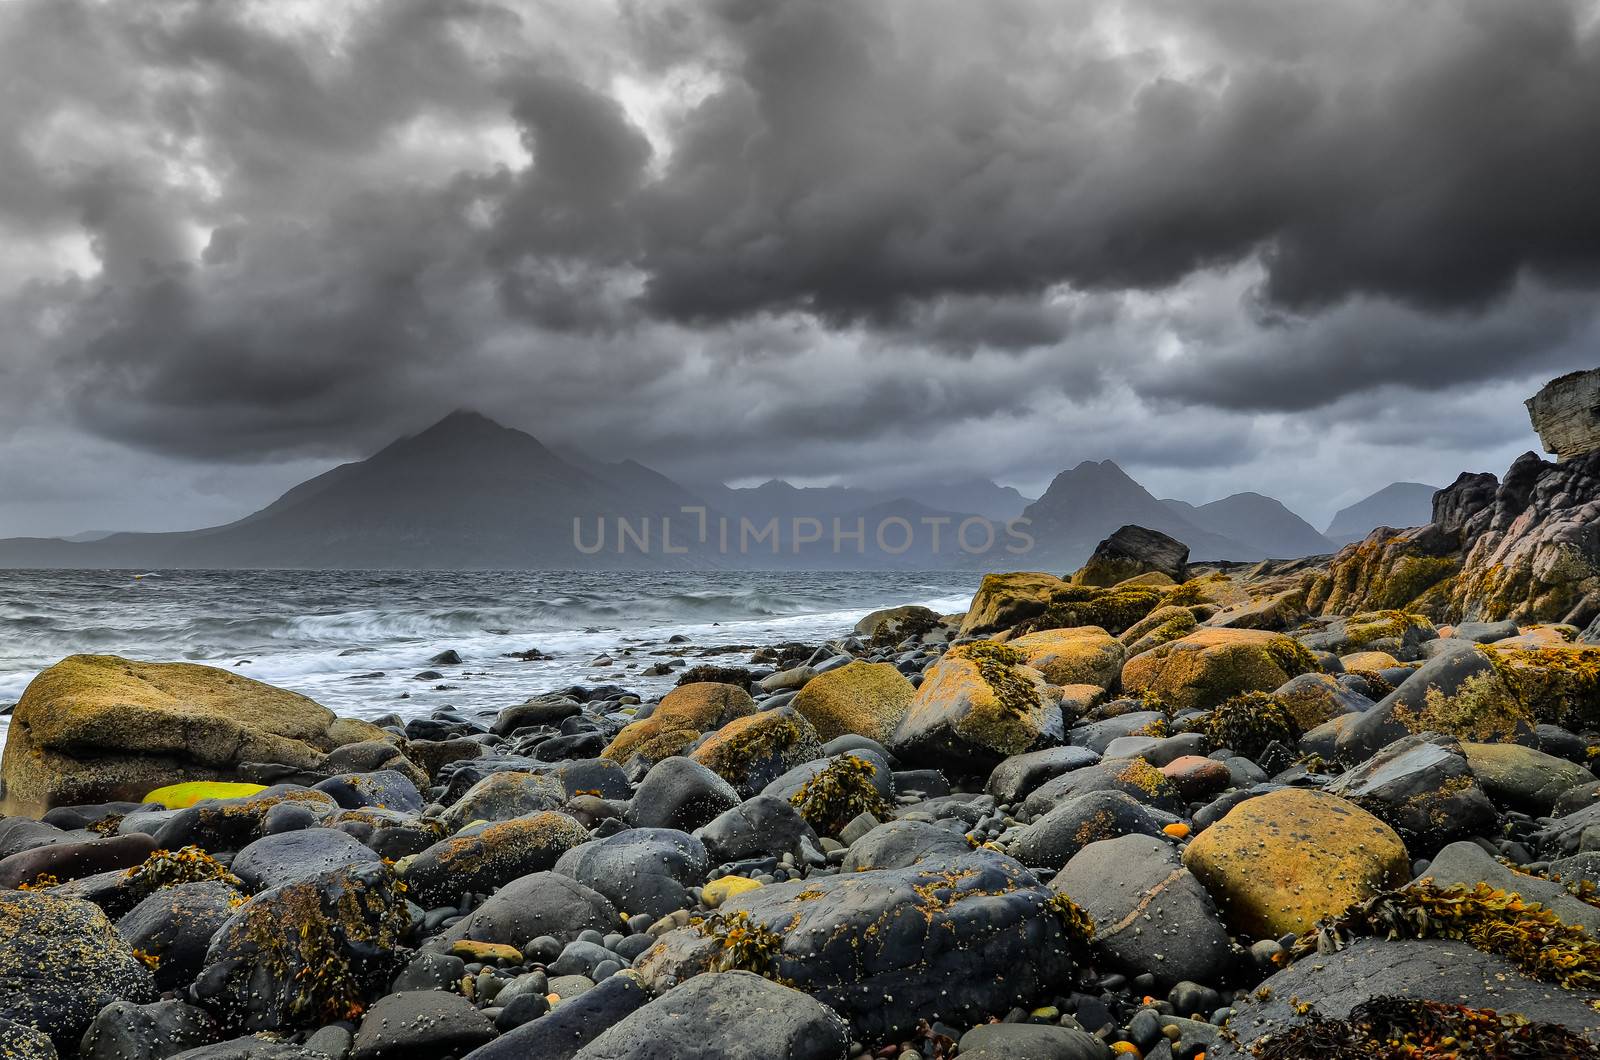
355, 640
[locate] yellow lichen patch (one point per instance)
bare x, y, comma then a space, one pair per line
1202, 669
472, 950
1112, 610
682, 715
179, 796
1560, 684
1280, 862
718, 891
1138, 773
860, 699
1370, 626
1075, 656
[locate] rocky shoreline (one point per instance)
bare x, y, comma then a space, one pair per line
1153, 809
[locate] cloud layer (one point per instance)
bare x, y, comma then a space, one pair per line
1271, 244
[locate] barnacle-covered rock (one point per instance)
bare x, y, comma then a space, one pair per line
172, 928
61, 961
228, 824
978, 705
307, 953
1423, 788
503, 796
950, 938
642, 870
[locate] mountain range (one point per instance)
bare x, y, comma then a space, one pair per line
470, 493
1399, 504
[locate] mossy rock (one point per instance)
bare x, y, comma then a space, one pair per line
1559, 683
1113, 610
1215, 589
1003, 600
484, 858
62, 961
1085, 655
1167, 622
179, 796
1314, 698
1198, 671
694, 708
1368, 660
752, 752
101, 728
978, 705
229, 824
1278, 863
857, 699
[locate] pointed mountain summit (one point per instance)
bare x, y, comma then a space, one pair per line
1085, 505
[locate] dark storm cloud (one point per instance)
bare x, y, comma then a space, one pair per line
756, 235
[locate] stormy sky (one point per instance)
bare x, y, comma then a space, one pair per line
1306, 248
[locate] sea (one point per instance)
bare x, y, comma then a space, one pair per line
357, 641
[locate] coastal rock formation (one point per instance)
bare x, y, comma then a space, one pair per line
1566, 413
1132, 551
96, 728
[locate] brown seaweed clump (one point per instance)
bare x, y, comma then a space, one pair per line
1249, 722
840, 793
1406, 1028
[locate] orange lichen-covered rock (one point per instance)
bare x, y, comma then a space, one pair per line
979, 704
1210, 665
679, 719
1082, 655
1280, 862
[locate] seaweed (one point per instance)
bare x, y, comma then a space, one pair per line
840, 793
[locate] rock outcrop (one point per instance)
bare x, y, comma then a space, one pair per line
1566, 413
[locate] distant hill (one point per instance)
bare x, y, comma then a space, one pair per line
470, 493
1399, 504
1084, 505
1258, 521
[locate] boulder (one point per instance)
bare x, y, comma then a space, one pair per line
725, 1016
1019, 775
541, 903
976, 707
1566, 413
1315, 699
1455, 973
485, 857
1200, 670
1521, 778
126, 1031
680, 793
1133, 777
174, 926
952, 939
1168, 622
901, 844
1150, 914
763, 826
1052, 840
679, 719
1131, 551
1077, 656
753, 751
642, 870
1423, 788
386, 789
1003, 600
306, 953
1031, 1041
229, 824
1281, 861
503, 796
94, 728
420, 1025
891, 625
61, 961
859, 698
274, 860
69, 861
570, 1025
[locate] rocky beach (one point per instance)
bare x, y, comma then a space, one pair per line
1335, 806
